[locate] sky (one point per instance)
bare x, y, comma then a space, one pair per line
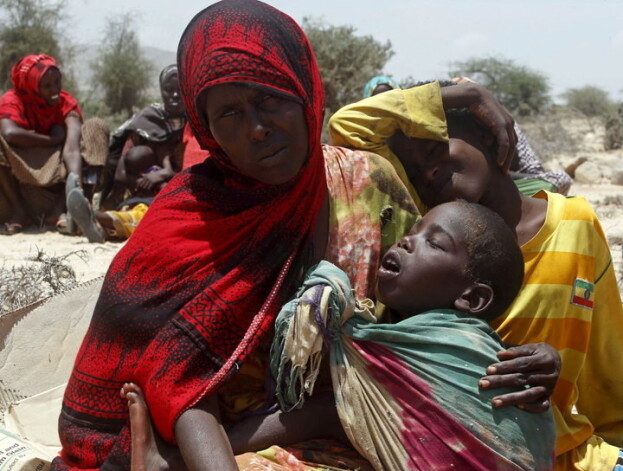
573, 43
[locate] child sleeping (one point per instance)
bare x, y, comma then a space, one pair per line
407, 393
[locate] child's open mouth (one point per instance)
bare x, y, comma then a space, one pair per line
390, 265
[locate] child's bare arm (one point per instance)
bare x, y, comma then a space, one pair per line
202, 439
317, 418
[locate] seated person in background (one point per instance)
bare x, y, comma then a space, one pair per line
42, 141
139, 163
458, 268
570, 298
379, 84
155, 131
151, 144
527, 169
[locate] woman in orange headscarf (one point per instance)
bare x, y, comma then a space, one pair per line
41, 134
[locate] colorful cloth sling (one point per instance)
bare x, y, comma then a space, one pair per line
407, 394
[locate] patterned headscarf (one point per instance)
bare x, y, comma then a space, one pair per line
249, 41
374, 82
24, 106
27, 73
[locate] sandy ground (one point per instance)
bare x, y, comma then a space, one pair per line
88, 260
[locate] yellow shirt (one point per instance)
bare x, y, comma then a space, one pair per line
565, 262
367, 124
570, 299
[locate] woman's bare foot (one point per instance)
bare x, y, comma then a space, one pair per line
149, 453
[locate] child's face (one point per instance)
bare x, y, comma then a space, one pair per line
426, 269
442, 172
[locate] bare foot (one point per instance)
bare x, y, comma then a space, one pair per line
149, 453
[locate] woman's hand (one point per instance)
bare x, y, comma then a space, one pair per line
489, 111
535, 365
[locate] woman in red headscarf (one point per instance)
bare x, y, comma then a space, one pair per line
187, 307
40, 144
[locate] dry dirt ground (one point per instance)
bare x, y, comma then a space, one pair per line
92, 260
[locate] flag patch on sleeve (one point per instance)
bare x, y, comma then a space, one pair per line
582, 294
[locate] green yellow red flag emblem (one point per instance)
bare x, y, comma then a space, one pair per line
583, 293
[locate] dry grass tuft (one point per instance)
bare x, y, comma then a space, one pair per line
42, 277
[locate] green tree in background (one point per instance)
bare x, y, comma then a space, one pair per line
120, 69
521, 90
590, 100
30, 27
346, 61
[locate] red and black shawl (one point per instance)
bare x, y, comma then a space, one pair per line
23, 104
204, 275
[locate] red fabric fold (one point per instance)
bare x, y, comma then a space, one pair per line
202, 278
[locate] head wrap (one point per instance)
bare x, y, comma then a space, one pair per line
167, 72
374, 82
205, 273
249, 41
27, 73
25, 106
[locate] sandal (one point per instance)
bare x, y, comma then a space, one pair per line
70, 184
12, 228
80, 210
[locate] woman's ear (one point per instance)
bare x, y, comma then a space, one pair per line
475, 300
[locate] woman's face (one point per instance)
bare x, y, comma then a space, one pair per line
264, 134
50, 86
170, 91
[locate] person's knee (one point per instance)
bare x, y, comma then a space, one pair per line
138, 159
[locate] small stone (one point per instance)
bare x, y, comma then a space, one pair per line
588, 172
617, 177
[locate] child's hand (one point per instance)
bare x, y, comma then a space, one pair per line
535, 366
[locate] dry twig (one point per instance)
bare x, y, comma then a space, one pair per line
42, 277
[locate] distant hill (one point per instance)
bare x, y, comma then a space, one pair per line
86, 54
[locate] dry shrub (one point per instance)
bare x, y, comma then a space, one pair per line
614, 129
548, 133
42, 277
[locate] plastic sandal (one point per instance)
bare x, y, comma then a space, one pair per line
70, 184
80, 210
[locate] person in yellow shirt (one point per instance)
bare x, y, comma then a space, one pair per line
570, 298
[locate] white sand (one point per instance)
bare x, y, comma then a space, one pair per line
88, 260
